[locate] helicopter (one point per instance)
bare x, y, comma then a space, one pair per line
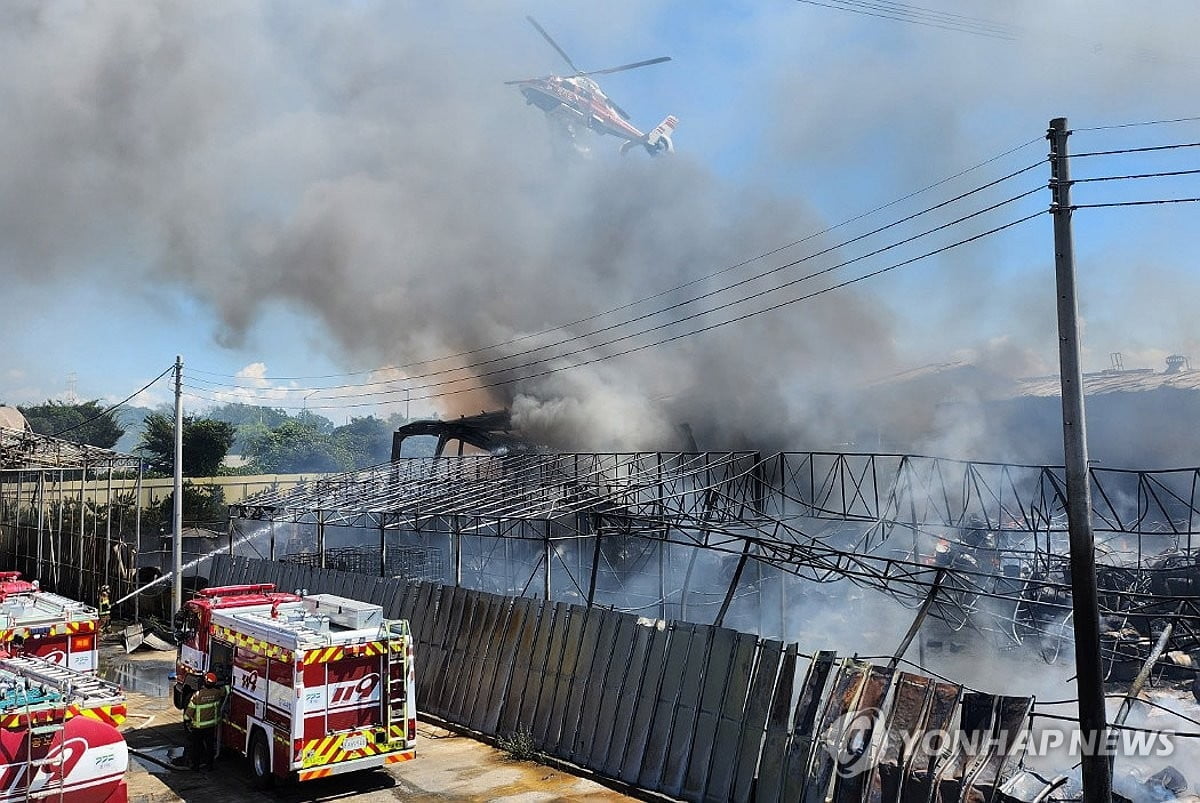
577, 100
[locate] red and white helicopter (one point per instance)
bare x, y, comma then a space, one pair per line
578, 100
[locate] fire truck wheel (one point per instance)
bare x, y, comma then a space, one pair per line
260, 759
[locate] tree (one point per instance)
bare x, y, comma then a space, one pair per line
294, 448
368, 440
86, 423
205, 444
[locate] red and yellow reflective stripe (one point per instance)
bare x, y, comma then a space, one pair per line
395, 758
109, 714
308, 775
254, 645
41, 717
323, 655
328, 750
59, 629
370, 649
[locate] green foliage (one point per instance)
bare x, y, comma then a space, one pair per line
241, 415
201, 504
294, 448
519, 744
101, 428
368, 440
205, 444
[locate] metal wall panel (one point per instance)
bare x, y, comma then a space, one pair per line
853, 779
579, 691
716, 677
510, 716
566, 673
596, 674
453, 642
550, 675
481, 670
481, 703
798, 759
627, 698
923, 768
905, 717
514, 626
842, 697
643, 712
727, 740
683, 729
754, 722
537, 665
774, 749
610, 692
679, 645
476, 636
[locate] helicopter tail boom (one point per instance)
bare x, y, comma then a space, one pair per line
658, 140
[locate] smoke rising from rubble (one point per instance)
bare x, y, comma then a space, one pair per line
365, 167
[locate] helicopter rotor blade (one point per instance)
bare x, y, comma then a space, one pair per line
527, 80
554, 44
623, 67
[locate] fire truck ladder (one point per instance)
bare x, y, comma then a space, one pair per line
65, 680
394, 690
54, 765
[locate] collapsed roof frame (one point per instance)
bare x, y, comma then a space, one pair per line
872, 519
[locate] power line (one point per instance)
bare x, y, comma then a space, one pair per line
1166, 174
108, 410
1139, 124
916, 18
1146, 149
680, 336
1138, 203
711, 293
661, 293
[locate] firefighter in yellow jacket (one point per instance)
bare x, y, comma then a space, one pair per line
202, 714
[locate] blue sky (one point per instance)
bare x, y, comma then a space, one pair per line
274, 190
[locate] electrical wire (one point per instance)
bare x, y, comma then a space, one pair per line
1139, 124
1166, 174
916, 18
1145, 149
710, 327
1137, 203
668, 291
108, 410
407, 388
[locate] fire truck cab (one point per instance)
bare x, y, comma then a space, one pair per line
47, 625
318, 684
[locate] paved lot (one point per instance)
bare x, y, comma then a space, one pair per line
448, 767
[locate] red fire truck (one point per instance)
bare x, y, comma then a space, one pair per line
319, 684
47, 625
58, 734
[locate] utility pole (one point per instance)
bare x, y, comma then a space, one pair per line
177, 490
1096, 765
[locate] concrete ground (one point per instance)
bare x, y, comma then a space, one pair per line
448, 767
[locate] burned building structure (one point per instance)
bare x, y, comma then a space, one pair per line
972, 554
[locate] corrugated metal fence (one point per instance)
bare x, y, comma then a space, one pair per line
695, 712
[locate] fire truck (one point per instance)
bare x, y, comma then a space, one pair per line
47, 625
318, 684
58, 734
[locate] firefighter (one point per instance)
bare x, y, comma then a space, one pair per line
202, 715
104, 606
